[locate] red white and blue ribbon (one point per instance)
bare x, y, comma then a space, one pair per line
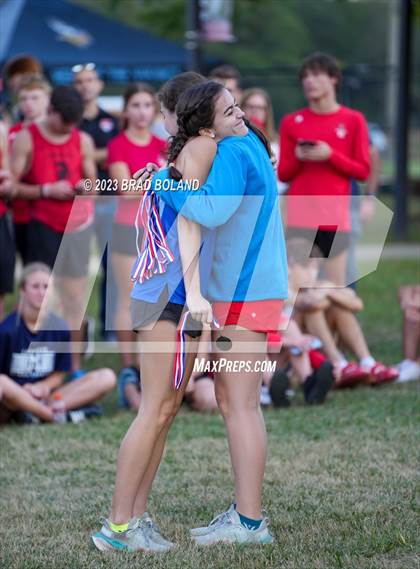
154, 254
180, 355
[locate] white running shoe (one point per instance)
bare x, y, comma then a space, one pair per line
153, 532
230, 530
409, 371
215, 521
133, 539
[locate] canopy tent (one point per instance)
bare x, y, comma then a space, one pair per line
61, 34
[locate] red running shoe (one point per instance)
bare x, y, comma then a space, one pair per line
380, 374
352, 374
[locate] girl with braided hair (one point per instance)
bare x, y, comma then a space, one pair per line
247, 286
207, 116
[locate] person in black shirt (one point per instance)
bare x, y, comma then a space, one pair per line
102, 127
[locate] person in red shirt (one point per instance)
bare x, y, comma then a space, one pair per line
33, 99
131, 150
7, 242
53, 157
322, 148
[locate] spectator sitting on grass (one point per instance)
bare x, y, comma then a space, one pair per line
309, 368
327, 312
30, 378
409, 368
199, 395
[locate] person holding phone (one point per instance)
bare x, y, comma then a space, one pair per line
322, 148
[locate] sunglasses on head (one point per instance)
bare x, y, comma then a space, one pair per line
83, 67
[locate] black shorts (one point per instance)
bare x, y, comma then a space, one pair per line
205, 375
68, 254
143, 314
323, 239
21, 238
124, 239
7, 254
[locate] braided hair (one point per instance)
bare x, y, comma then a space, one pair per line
195, 110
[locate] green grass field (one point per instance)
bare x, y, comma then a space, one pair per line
340, 483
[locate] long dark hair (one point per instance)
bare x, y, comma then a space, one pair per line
195, 110
258, 132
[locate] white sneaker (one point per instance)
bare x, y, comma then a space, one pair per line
133, 539
215, 521
153, 532
230, 530
409, 371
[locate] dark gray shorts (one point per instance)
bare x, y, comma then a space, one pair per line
124, 239
146, 314
7, 255
68, 253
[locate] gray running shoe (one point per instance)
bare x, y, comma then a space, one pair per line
215, 521
133, 539
230, 530
153, 532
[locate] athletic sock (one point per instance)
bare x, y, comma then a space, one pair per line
368, 362
249, 523
118, 528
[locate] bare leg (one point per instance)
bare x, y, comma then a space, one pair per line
336, 269
238, 397
89, 388
16, 398
158, 407
203, 396
72, 297
122, 265
133, 395
411, 338
316, 324
349, 330
145, 486
301, 366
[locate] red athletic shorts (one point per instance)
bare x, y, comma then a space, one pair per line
258, 315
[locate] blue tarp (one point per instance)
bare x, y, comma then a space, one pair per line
61, 34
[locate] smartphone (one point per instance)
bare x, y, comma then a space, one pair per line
306, 143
